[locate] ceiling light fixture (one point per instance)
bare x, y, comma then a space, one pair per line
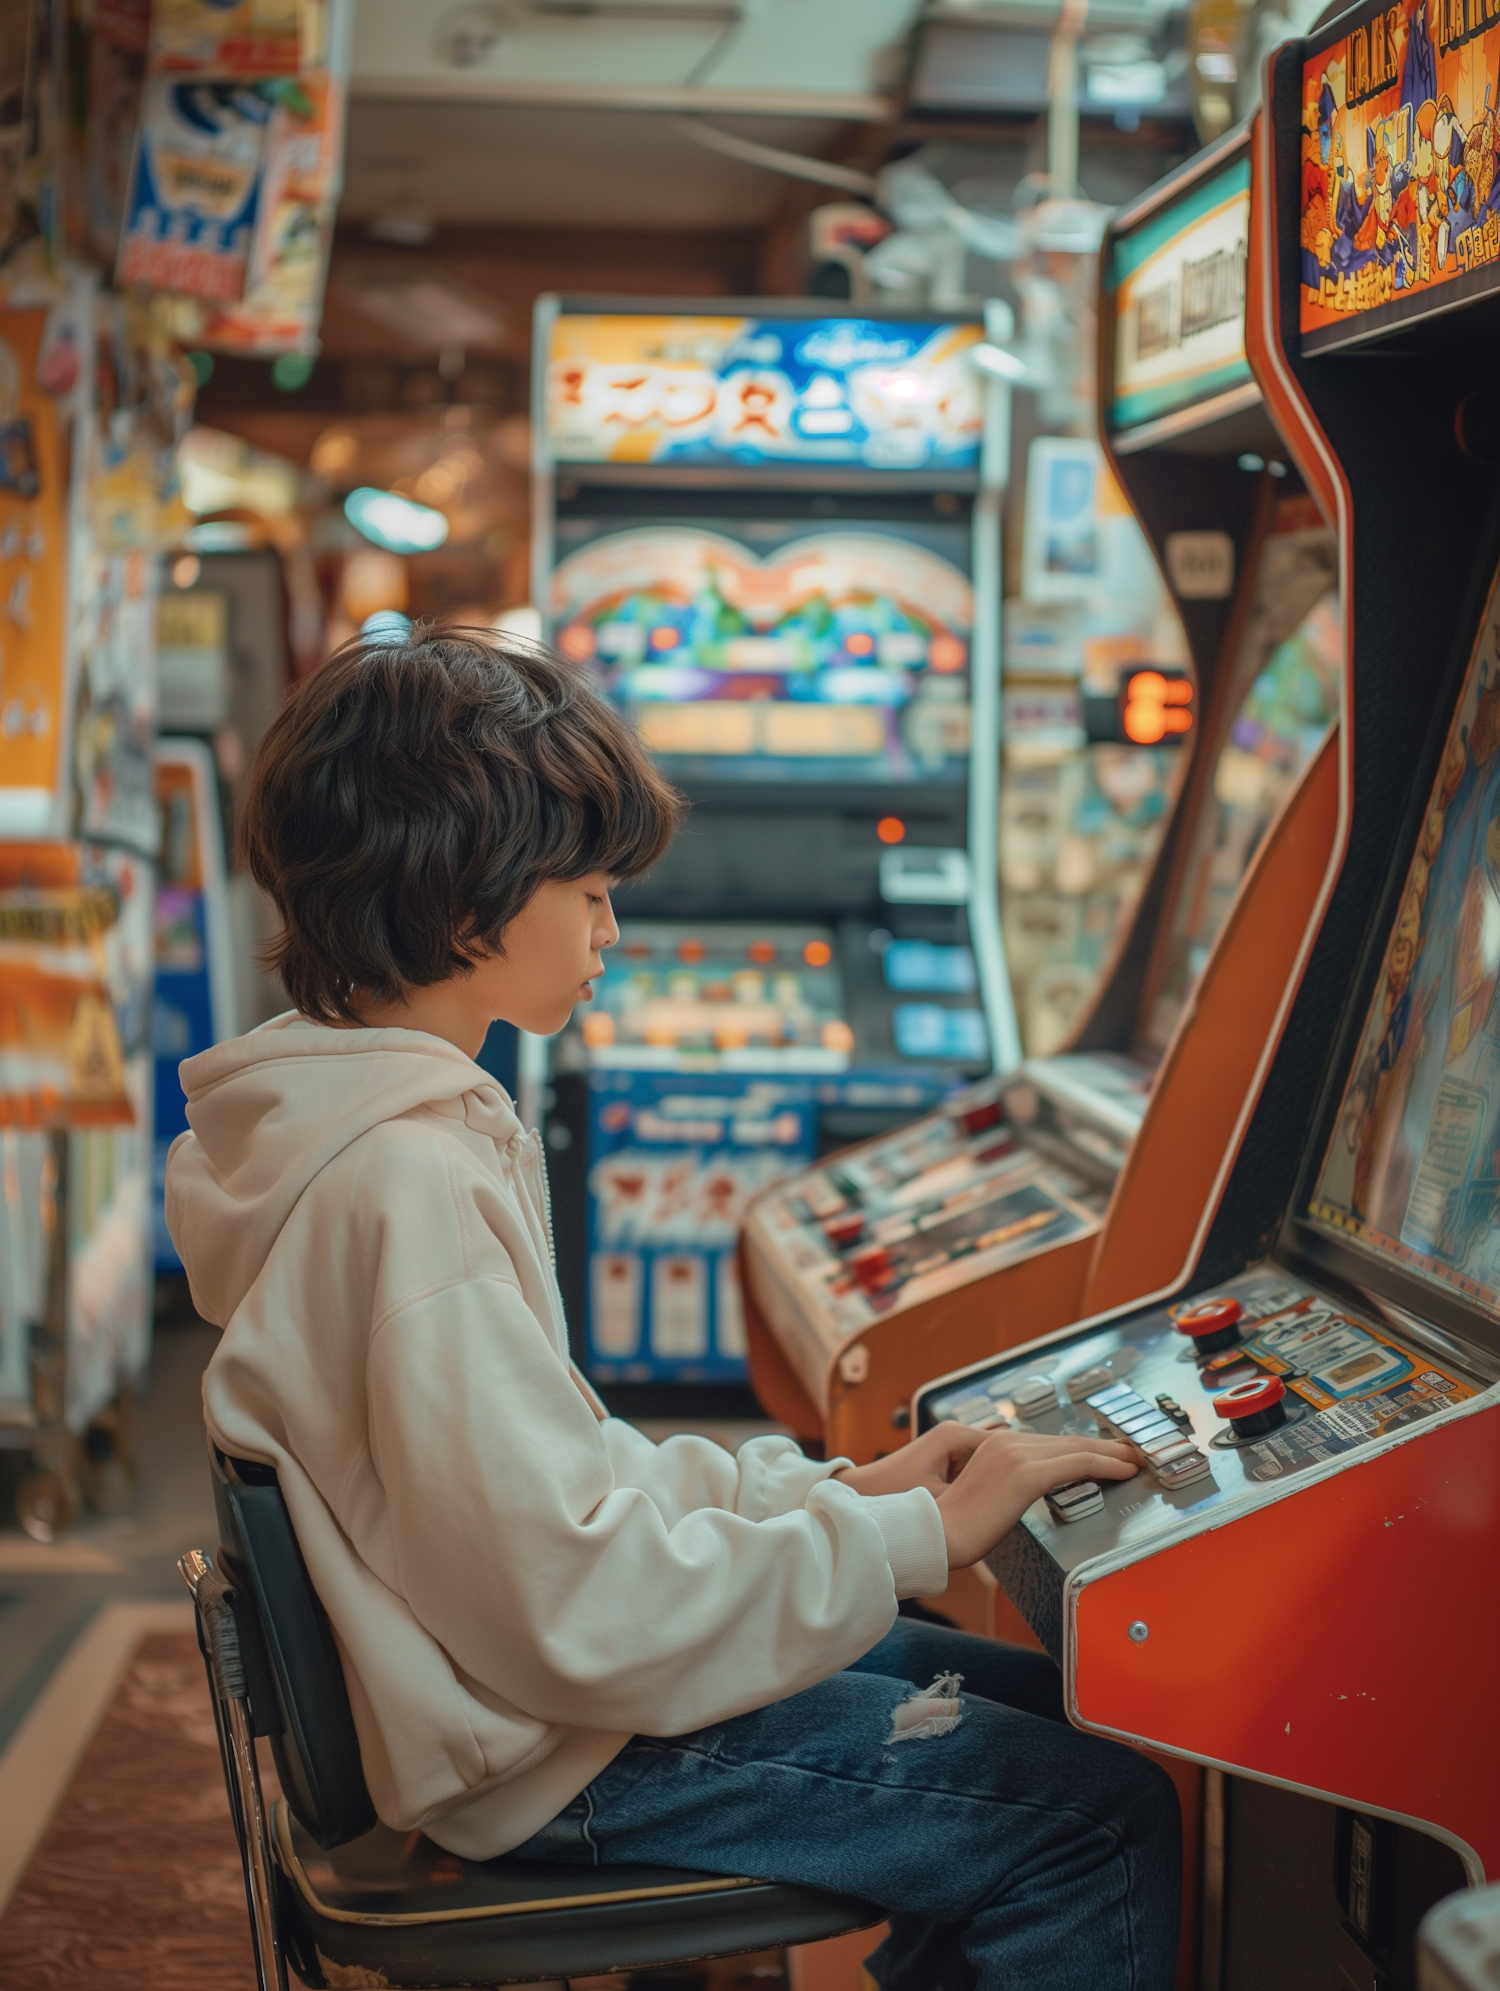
394, 522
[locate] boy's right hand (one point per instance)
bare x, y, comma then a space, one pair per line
1010, 1470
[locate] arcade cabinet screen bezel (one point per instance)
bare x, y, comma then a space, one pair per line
763, 701
1372, 90
1413, 1029
1205, 216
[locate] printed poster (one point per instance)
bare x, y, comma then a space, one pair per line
645, 389
673, 1161
33, 588
1399, 204
282, 304
195, 186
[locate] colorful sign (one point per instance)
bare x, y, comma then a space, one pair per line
1179, 284
195, 187
673, 1160
886, 395
288, 267
33, 587
1413, 1168
1400, 202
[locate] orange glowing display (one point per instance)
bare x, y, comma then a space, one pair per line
817, 954
691, 951
891, 829
762, 951
1156, 708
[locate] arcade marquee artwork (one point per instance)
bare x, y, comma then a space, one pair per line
1400, 194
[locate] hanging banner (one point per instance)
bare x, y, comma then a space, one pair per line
1400, 199
195, 187
282, 304
237, 37
33, 587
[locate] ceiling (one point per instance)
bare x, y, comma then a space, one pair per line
520, 165
557, 119
760, 55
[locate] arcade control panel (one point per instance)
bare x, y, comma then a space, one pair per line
1006, 1168
949, 1199
1225, 1398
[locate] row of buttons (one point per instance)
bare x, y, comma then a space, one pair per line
1147, 1429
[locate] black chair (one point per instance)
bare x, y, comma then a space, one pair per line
346, 1900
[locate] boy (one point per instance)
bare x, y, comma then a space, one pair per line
560, 1639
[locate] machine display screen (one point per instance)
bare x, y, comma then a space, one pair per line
1179, 285
878, 393
1413, 1167
1400, 200
756, 997
747, 650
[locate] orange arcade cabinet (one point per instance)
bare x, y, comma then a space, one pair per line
1297, 1591
1078, 1180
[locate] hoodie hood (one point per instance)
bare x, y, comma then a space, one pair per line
270, 1110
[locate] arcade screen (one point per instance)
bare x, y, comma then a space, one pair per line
753, 990
1179, 284
881, 394
1413, 1167
747, 650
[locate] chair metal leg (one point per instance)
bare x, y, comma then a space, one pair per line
218, 1637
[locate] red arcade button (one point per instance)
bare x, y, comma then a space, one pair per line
1211, 1324
1250, 1398
974, 1119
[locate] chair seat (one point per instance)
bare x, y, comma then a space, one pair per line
392, 1908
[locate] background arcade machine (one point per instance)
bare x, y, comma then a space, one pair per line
1297, 1590
1078, 1180
764, 531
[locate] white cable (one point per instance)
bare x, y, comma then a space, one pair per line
793, 164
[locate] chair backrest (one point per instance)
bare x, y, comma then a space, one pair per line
294, 1677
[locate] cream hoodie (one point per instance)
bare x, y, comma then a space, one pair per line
517, 1583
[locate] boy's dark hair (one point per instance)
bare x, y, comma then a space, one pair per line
408, 799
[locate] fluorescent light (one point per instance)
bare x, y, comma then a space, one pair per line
394, 522
990, 358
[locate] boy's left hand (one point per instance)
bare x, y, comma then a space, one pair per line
934, 1460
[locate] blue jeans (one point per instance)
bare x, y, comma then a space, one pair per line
1010, 1851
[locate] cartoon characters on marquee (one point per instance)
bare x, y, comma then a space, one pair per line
1399, 141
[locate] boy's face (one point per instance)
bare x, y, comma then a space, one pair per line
553, 952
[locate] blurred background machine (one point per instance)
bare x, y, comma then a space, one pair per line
1314, 1409
772, 534
1078, 1180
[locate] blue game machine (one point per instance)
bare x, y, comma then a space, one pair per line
194, 1006
770, 532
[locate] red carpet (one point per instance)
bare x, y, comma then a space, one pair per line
136, 1886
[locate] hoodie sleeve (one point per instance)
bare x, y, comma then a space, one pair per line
766, 1476
583, 1597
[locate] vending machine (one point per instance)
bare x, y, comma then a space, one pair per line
771, 533
1295, 1591
1080, 1179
